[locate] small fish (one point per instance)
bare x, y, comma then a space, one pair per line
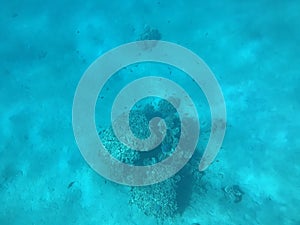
71, 184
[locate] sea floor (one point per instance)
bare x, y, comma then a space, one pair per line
251, 46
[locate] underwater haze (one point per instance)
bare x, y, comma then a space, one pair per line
253, 49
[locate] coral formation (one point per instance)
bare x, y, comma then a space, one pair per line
158, 200
162, 200
118, 150
150, 34
234, 193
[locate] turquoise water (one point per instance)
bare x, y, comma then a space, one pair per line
251, 46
